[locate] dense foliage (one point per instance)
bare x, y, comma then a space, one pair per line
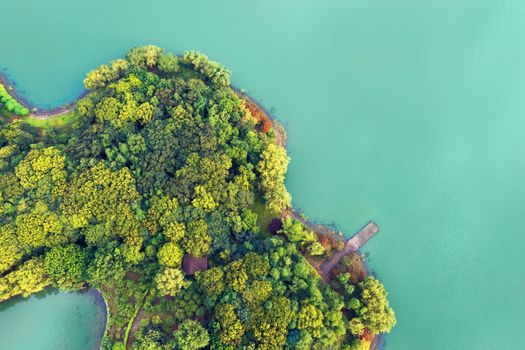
164, 165
11, 104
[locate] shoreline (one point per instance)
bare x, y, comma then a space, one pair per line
34, 110
99, 298
281, 138
378, 341
316, 227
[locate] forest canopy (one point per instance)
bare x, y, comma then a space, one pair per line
158, 193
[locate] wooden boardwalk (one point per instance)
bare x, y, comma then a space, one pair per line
352, 245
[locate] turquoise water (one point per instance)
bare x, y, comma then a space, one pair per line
407, 112
52, 321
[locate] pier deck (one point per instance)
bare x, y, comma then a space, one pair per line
352, 245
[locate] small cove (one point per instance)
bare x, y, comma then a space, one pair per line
53, 320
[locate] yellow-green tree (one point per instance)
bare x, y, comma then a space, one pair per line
66, 266
43, 170
236, 276
10, 247
211, 280
197, 241
376, 313
272, 170
170, 255
311, 319
39, 228
169, 281
232, 329
29, 278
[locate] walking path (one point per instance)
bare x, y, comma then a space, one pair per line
136, 323
352, 245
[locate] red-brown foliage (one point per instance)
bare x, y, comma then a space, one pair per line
264, 122
367, 335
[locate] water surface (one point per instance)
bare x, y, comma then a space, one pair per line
408, 112
52, 321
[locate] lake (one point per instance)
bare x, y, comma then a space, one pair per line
53, 320
408, 112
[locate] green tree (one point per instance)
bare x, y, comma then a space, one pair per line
43, 170
258, 292
191, 336
10, 247
272, 170
256, 265
66, 265
236, 276
232, 329
211, 280
168, 63
145, 56
29, 278
100, 77
197, 241
356, 327
107, 267
169, 281
38, 228
170, 255
377, 315
311, 319
212, 70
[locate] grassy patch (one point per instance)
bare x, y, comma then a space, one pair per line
264, 216
52, 122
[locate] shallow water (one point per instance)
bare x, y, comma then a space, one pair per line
407, 112
52, 321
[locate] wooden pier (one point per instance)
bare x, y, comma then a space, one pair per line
352, 245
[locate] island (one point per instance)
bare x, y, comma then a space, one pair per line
163, 188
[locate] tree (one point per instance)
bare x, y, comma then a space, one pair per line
272, 169
203, 199
29, 278
168, 63
197, 242
43, 170
236, 276
101, 195
66, 265
149, 340
232, 329
258, 292
212, 70
160, 159
357, 344
356, 327
256, 265
377, 315
145, 56
107, 267
191, 336
295, 231
10, 103
300, 340
38, 228
170, 281
100, 77
211, 280
10, 247
170, 255
311, 319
